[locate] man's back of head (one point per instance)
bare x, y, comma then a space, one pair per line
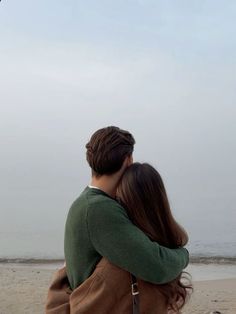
107, 150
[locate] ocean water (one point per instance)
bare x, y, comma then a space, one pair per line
198, 272
215, 271
49, 245
39, 233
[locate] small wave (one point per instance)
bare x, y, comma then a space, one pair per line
196, 259
30, 261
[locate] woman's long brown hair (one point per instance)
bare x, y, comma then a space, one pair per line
142, 192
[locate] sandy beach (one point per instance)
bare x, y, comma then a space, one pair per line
24, 289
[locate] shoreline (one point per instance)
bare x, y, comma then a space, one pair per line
194, 259
198, 271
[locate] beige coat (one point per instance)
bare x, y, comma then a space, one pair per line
106, 291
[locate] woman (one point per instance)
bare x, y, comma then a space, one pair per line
143, 194
108, 290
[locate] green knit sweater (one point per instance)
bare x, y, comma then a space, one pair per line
98, 226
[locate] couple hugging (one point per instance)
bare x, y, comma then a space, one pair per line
124, 250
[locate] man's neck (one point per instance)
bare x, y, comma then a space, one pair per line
107, 184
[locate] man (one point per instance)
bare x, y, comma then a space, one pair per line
97, 225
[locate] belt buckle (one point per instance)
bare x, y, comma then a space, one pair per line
135, 288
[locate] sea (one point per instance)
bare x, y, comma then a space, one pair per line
20, 246
212, 250
39, 235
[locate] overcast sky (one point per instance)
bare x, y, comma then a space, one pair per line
164, 70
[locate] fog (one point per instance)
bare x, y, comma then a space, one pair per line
165, 72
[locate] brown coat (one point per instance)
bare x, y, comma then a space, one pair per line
106, 291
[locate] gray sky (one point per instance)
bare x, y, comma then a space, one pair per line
161, 69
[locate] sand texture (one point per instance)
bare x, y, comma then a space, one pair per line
24, 288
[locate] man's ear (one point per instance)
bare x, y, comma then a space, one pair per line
129, 160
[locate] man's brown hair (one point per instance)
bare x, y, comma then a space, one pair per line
107, 150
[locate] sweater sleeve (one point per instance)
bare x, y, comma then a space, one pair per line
115, 237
